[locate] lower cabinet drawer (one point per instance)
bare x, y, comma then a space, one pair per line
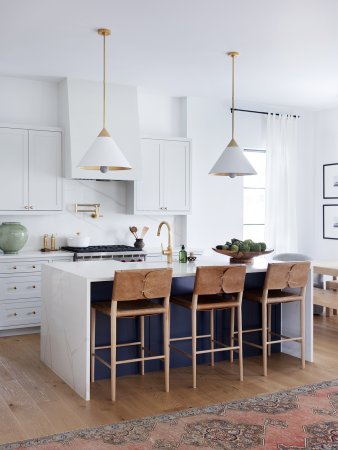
17, 314
20, 287
21, 266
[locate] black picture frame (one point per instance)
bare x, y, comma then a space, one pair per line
330, 181
330, 222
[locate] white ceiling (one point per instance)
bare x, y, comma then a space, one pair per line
289, 48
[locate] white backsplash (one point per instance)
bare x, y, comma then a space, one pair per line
112, 228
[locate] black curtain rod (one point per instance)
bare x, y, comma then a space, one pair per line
265, 113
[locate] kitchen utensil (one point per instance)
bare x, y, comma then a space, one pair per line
144, 232
241, 257
78, 241
139, 244
133, 230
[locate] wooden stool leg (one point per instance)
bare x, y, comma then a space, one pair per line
240, 351
328, 312
142, 343
264, 339
166, 349
212, 337
92, 344
113, 353
232, 333
302, 331
193, 345
269, 328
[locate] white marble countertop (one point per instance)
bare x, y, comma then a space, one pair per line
104, 270
35, 254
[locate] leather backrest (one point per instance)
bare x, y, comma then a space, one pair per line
219, 279
287, 275
141, 284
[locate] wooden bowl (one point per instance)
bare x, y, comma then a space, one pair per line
241, 257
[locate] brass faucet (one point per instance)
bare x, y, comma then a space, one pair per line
169, 250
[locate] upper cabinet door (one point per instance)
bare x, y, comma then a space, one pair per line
148, 190
175, 175
13, 169
45, 182
165, 185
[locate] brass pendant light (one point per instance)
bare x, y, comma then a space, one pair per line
104, 154
232, 161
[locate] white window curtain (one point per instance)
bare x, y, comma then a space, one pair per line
281, 172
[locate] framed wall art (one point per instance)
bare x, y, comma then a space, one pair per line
330, 221
330, 180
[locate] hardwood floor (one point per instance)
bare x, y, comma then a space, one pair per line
35, 402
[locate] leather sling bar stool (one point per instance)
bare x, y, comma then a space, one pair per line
133, 292
215, 288
280, 276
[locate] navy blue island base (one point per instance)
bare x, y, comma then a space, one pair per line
128, 329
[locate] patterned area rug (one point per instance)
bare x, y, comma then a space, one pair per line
303, 418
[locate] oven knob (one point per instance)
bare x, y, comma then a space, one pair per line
132, 260
123, 260
140, 260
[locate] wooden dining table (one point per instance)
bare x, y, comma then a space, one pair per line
328, 296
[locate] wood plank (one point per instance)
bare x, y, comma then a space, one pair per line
325, 297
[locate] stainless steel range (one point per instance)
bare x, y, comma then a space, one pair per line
123, 253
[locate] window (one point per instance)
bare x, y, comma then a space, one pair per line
254, 197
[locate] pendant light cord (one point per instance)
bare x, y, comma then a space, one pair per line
233, 96
104, 81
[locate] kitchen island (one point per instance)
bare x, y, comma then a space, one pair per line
69, 287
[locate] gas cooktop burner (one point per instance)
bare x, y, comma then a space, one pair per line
101, 249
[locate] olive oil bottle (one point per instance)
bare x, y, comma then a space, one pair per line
182, 255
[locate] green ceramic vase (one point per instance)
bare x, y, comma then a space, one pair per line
13, 237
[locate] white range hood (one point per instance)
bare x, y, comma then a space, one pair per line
80, 115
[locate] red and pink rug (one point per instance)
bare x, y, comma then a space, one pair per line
304, 418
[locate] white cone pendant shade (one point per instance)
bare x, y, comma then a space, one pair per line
232, 162
104, 154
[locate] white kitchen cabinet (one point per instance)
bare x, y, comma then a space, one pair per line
45, 165
166, 178
30, 170
13, 169
20, 292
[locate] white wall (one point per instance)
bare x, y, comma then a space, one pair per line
217, 208
306, 187
24, 101
326, 152
161, 115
